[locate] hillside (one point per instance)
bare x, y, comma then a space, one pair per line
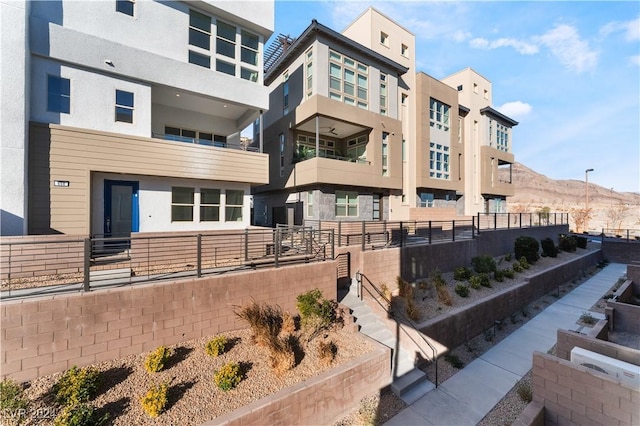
610, 209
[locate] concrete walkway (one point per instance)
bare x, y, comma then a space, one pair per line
468, 396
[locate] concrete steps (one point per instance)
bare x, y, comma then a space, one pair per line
409, 382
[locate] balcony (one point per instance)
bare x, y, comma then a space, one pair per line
205, 142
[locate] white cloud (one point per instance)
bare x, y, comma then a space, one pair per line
522, 47
515, 109
565, 43
630, 29
635, 60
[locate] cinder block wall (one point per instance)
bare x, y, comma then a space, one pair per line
573, 394
45, 335
621, 251
320, 400
567, 340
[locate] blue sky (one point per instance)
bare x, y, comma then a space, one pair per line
569, 72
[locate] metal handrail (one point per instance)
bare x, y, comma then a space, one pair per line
388, 311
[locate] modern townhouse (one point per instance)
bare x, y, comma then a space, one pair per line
125, 116
333, 132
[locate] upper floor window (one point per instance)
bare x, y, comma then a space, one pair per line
486, 94
124, 106
384, 38
475, 88
285, 93
460, 88
125, 6
282, 141
348, 80
438, 115
249, 50
502, 137
383, 94
438, 161
385, 154
404, 50
58, 94
403, 99
309, 72
225, 39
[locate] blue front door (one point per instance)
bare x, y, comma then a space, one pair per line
120, 208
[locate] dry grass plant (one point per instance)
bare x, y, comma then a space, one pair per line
264, 320
327, 352
282, 354
288, 324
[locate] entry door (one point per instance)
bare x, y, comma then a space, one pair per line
120, 208
377, 207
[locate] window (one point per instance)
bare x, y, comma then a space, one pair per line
124, 106
209, 205
225, 67
385, 154
460, 88
193, 136
383, 94
182, 204
225, 39
200, 38
357, 149
247, 74
309, 72
486, 94
459, 130
384, 38
249, 49
404, 149
233, 205
438, 115
58, 94
282, 143
475, 88
426, 199
306, 147
502, 137
125, 6
404, 50
403, 99
348, 80
310, 203
285, 93
346, 203
438, 161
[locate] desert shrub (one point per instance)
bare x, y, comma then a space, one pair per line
524, 392
288, 324
462, 273
281, 354
517, 267
474, 282
454, 361
13, 403
80, 414
549, 247
443, 295
316, 313
412, 310
436, 278
528, 247
587, 318
484, 280
567, 243
77, 385
508, 273
155, 400
524, 263
507, 257
265, 321
483, 264
156, 360
404, 288
327, 352
462, 290
581, 242
216, 346
386, 294
498, 275
228, 376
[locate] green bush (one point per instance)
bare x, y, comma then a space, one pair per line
81, 414
498, 275
156, 360
508, 273
517, 267
581, 242
228, 376
528, 247
567, 243
316, 313
524, 263
462, 273
454, 361
13, 403
474, 282
549, 247
483, 264
155, 400
485, 281
525, 392
462, 290
216, 346
76, 386
507, 257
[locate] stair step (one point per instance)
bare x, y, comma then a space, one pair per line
366, 318
418, 391
383, 335
403, 384
371, 327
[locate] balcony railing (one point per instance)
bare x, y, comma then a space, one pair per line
298, 158
205, 142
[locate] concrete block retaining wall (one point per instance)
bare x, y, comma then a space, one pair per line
573, 394
320, 400
567, 340
44, 335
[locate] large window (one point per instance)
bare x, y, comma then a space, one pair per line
124, 106
438, 161
502, 141
348, 80
309, 72
125, 6
182, 200
58, 94
346, 203
209, 205
383, 94
233, 205
357, 149
439, 115
249, 50
200, 38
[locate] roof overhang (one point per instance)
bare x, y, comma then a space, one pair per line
498, 116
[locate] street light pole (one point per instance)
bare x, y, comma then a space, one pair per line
586, 207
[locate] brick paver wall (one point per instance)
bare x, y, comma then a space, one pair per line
567, 340
45, 335
573, 394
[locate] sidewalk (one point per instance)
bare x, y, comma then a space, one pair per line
469, 395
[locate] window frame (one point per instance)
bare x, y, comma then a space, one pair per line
59, 95
385, 153
439, 161
228, 207
310, 203
339, 84
181, 205
125, 10
439, 115
351, 202
210, 206
122, 109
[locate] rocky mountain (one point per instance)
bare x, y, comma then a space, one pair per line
609, 209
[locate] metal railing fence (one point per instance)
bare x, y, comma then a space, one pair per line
520, 220
628, 235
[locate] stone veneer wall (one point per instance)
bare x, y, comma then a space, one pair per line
44, 335
320, 400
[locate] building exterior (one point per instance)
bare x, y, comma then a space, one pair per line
123, 116
433, 151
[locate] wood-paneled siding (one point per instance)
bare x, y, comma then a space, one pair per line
71, 154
